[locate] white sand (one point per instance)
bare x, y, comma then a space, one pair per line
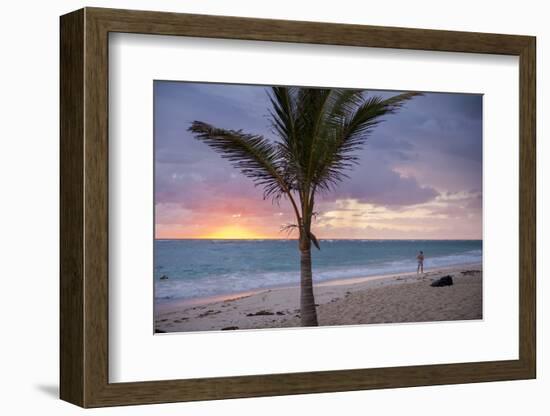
405, 297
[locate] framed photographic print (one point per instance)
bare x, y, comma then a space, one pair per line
257, 207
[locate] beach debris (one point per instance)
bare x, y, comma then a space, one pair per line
163, 277
443, 281
230, 328
260, 313
208, 313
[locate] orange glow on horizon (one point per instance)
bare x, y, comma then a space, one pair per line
233, 232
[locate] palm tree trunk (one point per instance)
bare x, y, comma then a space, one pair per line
307, 301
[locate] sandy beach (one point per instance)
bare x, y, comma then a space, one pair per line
405, 297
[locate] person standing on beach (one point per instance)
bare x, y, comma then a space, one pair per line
420, 258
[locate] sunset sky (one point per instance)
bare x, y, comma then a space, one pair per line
419, 176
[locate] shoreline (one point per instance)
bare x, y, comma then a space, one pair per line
387, 298
167, 306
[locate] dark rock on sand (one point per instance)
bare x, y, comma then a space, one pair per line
260, 313
444, 281
230, 328
159, 331
163, 277
279, 313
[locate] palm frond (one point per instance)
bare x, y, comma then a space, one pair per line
253, 155
314, 240
351, 123
289, 228
284, 117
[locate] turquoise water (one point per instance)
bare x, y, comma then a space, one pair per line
203, 268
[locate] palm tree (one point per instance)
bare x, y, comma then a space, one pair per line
318, 133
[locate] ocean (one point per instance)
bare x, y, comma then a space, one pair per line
204, 268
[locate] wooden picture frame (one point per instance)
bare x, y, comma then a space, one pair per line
84, 207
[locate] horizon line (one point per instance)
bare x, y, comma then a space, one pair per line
321, 239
